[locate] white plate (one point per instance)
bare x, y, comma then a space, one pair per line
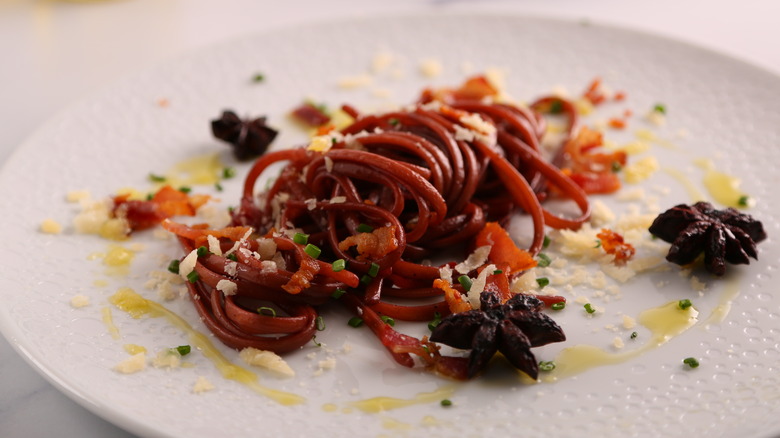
730, 111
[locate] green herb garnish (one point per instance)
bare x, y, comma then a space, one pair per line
173, 266
365, 228
156, 178
202, 251
266, 311
312, 250
228, 172
465, 281
543, 260
634, 335
691, 362
320, 323
339, 265
542, 281
743, 201
388, 320
446, 402
338, 293
558, 306
589, 308
258, 77
355, 321
193, 276
373, 270
684, 304
301, 239
660, 108
185, 189
546, 365
183, 350
436, 321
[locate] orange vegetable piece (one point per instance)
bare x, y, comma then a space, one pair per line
452, 296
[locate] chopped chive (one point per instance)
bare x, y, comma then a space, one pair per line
743, 201
320, 323
558, 306
394, 121
616, 167
542, 281
465, 281
258, 77
314, 339
373, 270
202, 251
185, 189
338, 293
436, 321
389, 321
498, 271
365, 228
691, 362
156, 178
355, 321
232, 256
339, 265
598, 244
173, 266
183, 350
266, 311
193, 276
219, 187
589, 308
149, 196
228, 172
546, 241
546, 365
660, 108
446, 402
312, 251
366, 279
684, 304
634, 335
301, 239
544, 260
556, 107
333, 141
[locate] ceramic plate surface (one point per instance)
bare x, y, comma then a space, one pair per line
717, 109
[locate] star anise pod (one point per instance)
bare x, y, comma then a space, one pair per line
723, 235
250, 138
512, 328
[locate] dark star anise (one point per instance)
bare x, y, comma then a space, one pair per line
250, 138
512, 328
723, 235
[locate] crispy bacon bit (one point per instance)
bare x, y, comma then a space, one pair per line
301, 279
613, 243
166, 203
594, 93
475, 88
373, 245
503, 251
453, 297
309, 114
593, 171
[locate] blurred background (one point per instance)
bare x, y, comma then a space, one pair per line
54, 53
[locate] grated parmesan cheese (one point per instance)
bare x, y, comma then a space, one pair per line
430, 68
639, 171
50, 226
227, 287
474, 260
79, 301
132, 364
214, 246
188, 264
266, 359
202, 385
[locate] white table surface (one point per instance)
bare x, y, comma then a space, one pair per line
53, 53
